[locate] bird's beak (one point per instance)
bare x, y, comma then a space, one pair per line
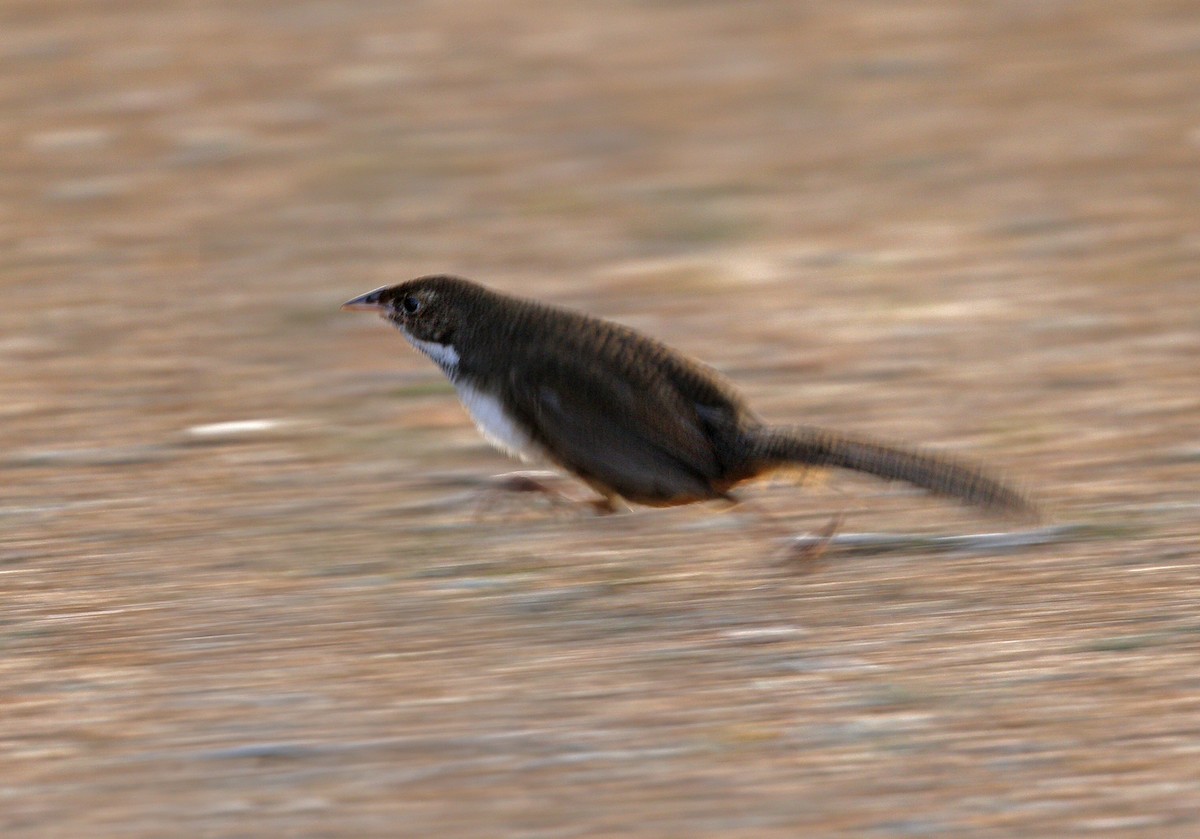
368, 302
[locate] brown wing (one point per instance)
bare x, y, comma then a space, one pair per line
634, 434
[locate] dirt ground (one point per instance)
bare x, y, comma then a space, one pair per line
973, 226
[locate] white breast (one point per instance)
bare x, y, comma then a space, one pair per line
490, 419
494, 424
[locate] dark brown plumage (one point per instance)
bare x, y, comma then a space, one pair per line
625, 413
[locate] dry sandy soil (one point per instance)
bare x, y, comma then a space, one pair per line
976, 226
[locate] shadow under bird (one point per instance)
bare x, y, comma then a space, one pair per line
626, 414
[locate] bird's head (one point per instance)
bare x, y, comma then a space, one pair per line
428, 311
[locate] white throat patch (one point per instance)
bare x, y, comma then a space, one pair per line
444, 355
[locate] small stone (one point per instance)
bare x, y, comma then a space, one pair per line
100, 456
90, 189
70, 140
234, 429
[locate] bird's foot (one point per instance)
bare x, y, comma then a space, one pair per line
537, 482
803, 552
606, 505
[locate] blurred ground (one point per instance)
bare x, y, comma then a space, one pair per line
969, 225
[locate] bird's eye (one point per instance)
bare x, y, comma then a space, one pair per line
411, 304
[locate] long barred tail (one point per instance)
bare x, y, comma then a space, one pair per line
776, 446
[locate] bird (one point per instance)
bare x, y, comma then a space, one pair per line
630, 417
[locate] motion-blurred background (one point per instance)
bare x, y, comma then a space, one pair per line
243, 592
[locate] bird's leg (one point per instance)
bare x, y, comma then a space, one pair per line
605, 505
539, 482
807, 549
543, 483
815, 543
